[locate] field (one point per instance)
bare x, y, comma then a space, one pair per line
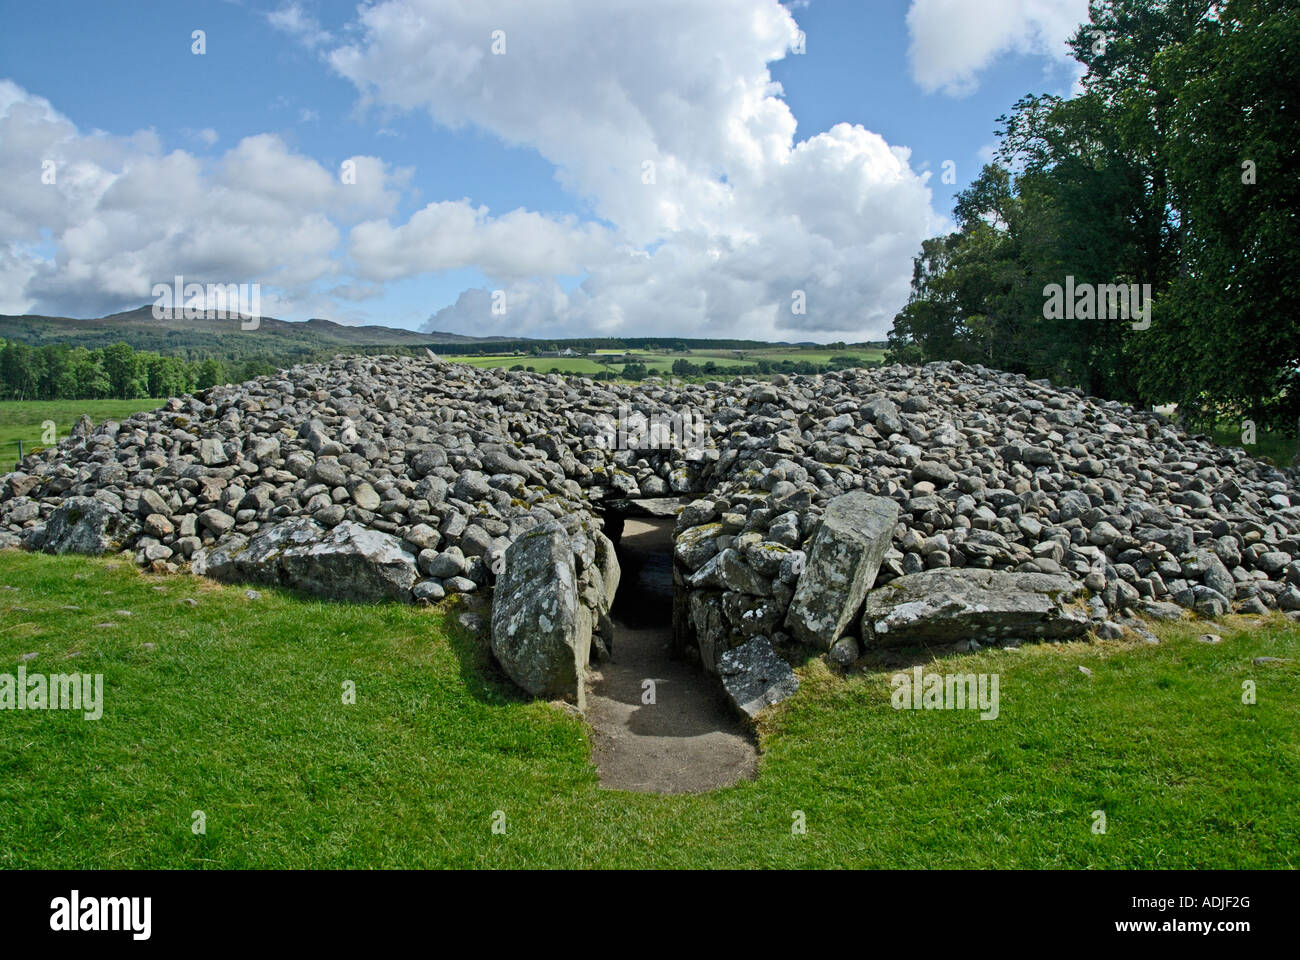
24, 419
659, 362
230, 713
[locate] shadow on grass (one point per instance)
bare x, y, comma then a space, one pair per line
484, 680
479, 671
886, 658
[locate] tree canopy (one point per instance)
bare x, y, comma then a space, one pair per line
1174, 169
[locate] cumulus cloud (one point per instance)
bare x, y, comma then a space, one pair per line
669, 124
704, 215
953, 40
455, 235
302, 26
89, 222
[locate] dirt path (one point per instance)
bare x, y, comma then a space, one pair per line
688, 740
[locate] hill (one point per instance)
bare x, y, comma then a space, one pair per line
189, 337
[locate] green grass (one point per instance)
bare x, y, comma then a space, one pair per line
1276, 447
577, 365
24, 420
237, 711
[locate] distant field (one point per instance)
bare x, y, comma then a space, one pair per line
662, 362
579, 365
24, 420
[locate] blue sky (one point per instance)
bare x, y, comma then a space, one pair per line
482, 179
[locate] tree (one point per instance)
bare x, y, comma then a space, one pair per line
211, 372
121, 368
1138, 179
1226, 339
88, 372
19, 370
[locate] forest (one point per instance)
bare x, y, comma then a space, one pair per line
1174, 168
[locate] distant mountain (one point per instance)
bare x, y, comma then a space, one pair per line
282, 343
140, 329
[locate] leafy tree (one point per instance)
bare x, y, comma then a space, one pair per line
1138, 179
211, 373
121, 368
19, 370
1226, 339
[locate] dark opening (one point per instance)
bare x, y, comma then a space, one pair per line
645, 592
659, 724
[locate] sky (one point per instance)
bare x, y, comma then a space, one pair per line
543, 168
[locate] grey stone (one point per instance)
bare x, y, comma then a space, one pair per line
364, 496
216, 521
541, 634
845, 652
842, 564
950, 605
754, 676
348, 562
86, 525
352, 562
430, 590
450, 563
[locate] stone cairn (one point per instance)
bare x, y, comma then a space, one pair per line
946, 504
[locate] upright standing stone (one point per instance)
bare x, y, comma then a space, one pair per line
541, 634
842, 565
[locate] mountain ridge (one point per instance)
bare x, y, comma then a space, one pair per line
139, 324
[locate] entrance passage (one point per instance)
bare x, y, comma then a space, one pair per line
675, 734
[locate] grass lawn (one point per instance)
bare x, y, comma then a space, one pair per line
1277, 448
576, 365
233, 707
24, 419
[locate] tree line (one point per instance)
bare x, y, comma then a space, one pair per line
58, 371
1174, 170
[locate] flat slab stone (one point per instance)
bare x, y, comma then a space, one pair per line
754, 676
352, 562
664, 508
348, 562
948, 605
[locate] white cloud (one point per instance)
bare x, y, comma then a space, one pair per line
738, 216
455, 235
302, 26
122, 215
953, 40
